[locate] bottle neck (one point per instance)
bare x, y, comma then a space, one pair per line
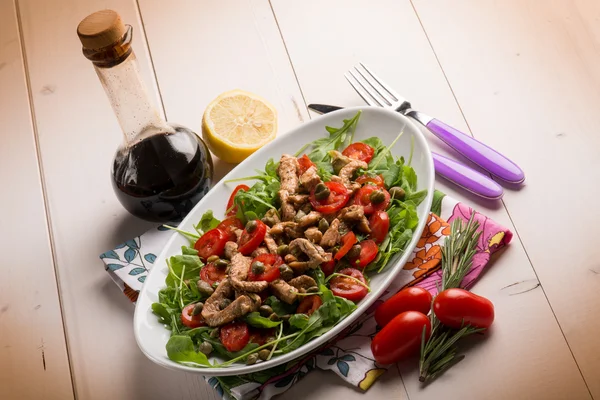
118, 71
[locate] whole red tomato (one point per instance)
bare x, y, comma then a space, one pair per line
455, 307
401, 337
409, 299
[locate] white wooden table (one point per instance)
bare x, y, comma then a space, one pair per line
521, 75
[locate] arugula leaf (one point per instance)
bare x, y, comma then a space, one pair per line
221, 350
298, 321
258, 321
207, 222
409, 179
180, 348
192, 265
164, 312
188, 251
417, 197
336, 139
256, 201
279, 307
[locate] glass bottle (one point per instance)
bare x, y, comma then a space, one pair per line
161, 170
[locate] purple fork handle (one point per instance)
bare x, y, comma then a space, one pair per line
479, 153
467, 178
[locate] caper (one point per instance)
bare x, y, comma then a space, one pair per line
212, 259
283, 250
251, 226
221, 263
252, 359
377, 197
354, 251
274, 317
285, 317
312, 289
224, 303
258, 267
285, 272
397, 193
214, 333
205, 348
264, 354
197, 308
321, 192
265, 310
290, 258
323, 225
204, 288
300, 214
338, 164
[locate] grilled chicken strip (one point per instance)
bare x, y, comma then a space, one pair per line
271, 244
312, 218
231, 248
283, 291
238, 273
314, 252
288, 174
355, 214
309, 179
313, 234
244, 304
331, 237
302, 282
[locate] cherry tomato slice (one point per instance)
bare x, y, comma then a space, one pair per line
368, 252
338, 197
212, 243
189, 320
231, 208
261, 336
328, 267
363, 198
212, 274
229, 225
305, 163
379, 223
250, 241
376, 180
453, 307
348, 288
234, 336
348, 240
401, 337
409, 299
309, 305
271, 273
359, 151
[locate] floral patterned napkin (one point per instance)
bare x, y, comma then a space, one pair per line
349, 354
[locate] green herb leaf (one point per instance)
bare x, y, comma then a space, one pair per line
279, 307
181, 349
207, 222
258, 321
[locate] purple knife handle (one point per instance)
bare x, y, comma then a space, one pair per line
479, 153
467, 178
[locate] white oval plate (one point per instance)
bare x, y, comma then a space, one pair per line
152, 337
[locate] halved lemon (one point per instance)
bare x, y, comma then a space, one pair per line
237, 123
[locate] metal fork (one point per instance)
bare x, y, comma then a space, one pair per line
377, 93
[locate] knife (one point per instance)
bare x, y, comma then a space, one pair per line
459, 174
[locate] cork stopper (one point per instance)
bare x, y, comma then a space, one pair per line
101, 29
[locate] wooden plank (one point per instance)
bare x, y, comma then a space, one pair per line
388, 37
201, 49
78, 135
78, 128
527, 76
33, 356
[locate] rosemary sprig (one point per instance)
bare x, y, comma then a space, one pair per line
439, 352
